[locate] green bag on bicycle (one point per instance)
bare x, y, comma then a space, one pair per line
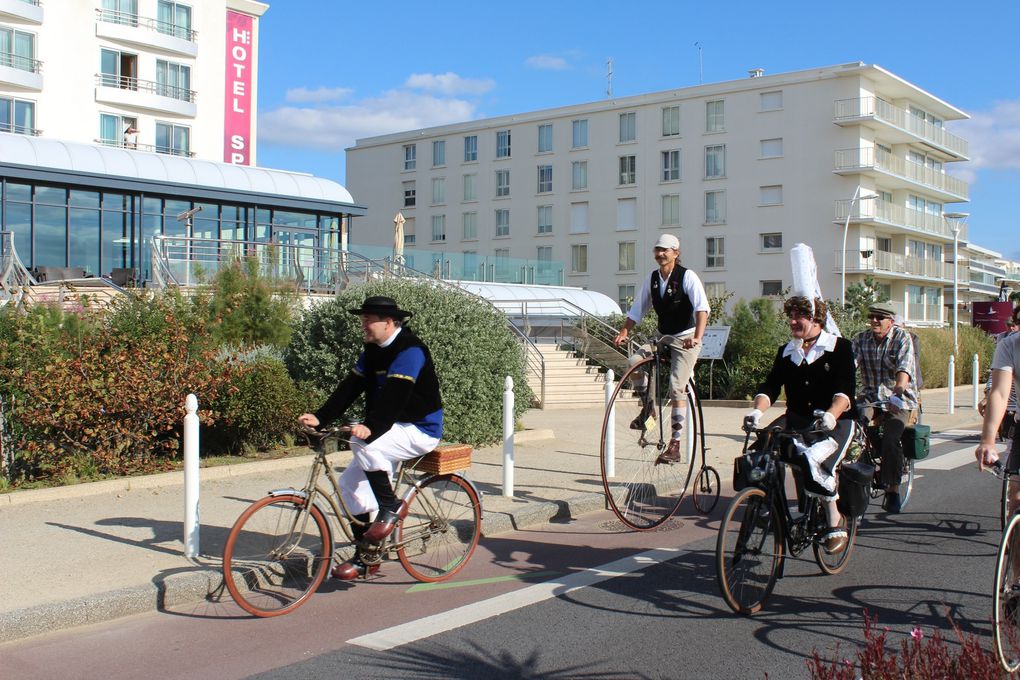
916, 441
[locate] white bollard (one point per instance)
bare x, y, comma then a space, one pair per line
951, 383
508, 437
975, 366
191, 517
610, 452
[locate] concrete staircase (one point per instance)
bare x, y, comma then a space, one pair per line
569, 381
71, 294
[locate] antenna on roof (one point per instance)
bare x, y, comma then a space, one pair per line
701, 64
609, 77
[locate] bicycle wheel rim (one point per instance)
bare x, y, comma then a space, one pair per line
1004, 506
441, 530
749, 552
642, 493
706, 490
1007, 616
907, 485
833, 563
276, 556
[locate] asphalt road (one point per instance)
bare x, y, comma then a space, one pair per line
581, 599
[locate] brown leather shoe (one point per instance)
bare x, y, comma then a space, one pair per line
671, 454
352, 569
384, 524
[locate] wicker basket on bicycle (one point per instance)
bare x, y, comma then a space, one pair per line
446, 458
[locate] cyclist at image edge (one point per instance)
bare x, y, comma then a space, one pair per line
1008, 424
816, 368
885, 362
678, 298
1005, 374
403, 420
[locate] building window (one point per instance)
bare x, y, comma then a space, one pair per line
439, 228
174, 19
471, 187
670, 121
17, 116
771, 242
115, 130
715, 290
671, 210
625, 296
579, 130
502, 222
502, 183
579, 258
628, 127
123, 12
17, 50
544, 256
173, 80
545, 143
579, 175
628, 170
714, 116
409, 194
671, 165
625, 256
438, 153
118, 69
545, 225
770, 101
771, 288
173, 139
410, 156
771, 195
715, 161
503, 144
545, 184
438, 190
579, 218
470, 148
626, 214
469, 220
772, 148
715, 253
715, 207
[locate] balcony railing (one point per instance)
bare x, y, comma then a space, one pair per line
161, 89
897, 215
878, 261
21, 63
879, 159
20, 129
128, 19
152, 148
878, 108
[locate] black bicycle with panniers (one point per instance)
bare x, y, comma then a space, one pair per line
760, 527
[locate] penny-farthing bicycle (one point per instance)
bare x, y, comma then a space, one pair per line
641, 489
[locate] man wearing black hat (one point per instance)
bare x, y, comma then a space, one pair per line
403, 420
885, 362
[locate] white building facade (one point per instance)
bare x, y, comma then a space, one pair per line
740, 171
171, 77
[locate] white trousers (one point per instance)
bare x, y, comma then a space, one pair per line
403, 441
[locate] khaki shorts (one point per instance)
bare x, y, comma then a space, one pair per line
682, 363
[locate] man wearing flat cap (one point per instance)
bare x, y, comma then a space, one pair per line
885, 363
403, 420
678, 298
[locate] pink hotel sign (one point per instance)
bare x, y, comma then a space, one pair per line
237, 110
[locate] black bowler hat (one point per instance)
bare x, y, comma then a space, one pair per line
381, 306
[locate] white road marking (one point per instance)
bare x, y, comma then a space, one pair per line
948, 461
479, 611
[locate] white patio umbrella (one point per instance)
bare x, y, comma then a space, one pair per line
398, 238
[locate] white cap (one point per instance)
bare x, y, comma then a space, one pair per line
668, 241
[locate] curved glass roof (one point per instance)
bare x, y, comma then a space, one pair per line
60, 155
542, 300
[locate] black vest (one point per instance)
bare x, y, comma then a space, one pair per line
675, 310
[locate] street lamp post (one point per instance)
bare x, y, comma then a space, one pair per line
954, 219
857, 198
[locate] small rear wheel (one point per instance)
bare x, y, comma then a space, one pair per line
706, 490
749, 551
441, 530
1006, 608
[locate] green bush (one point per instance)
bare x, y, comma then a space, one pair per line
471, 346
937, 345
757, 329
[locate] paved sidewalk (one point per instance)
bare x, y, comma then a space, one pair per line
94, 552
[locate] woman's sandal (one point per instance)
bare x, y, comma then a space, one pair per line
834, 540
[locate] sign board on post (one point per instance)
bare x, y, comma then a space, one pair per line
237, 101
713, 343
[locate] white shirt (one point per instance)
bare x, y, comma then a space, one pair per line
691, 285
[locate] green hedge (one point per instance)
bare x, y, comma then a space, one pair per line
937, 345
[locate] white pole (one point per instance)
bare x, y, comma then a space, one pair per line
975, 366
508, 437
610, 452
956, 284
191, 514
951, 382
846, 228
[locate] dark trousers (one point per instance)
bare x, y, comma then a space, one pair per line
890, 446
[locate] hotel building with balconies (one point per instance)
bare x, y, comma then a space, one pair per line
740, 171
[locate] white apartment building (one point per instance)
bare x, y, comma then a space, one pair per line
157, 75
740, 171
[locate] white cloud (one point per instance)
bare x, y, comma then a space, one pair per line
302, 95
994, 138
547, 62
448, 83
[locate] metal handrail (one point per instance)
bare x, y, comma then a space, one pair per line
15, 279
21, 63
112, 16
151, 148
137, 84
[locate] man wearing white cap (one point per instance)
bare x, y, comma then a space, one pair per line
678, 298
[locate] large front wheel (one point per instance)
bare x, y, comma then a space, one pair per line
1006, 608
276, 555
749, 551
441, 530
642, 489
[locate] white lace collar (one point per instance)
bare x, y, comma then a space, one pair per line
795, 348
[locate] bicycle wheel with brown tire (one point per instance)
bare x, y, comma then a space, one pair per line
1006, 598
833, 563
441, 530
749, 551
642, 489
277, 554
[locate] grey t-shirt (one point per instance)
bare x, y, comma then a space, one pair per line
1007, 358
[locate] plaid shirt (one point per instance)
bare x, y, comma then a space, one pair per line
878, 362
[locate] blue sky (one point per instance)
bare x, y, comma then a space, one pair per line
332, 72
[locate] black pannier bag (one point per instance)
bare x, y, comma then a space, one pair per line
855, 488
743, 467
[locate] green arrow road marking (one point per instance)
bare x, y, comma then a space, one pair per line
479, 581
